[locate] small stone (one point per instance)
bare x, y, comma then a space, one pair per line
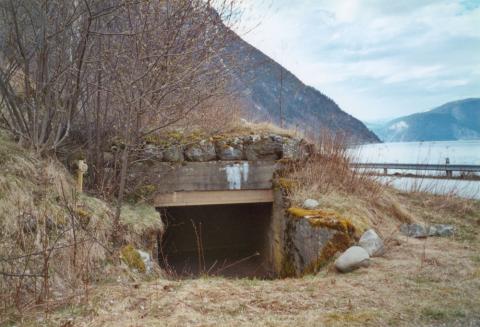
372, 243
354, 258
310, 204
414, 230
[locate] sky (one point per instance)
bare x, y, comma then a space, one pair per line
378, 59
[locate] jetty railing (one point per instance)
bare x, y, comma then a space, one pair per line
448, 168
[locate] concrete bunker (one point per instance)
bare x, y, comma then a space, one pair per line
224, 216
217, 239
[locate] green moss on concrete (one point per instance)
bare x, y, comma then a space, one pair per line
132, 258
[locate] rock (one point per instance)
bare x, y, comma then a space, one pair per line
414, 230
229, 149
147, 260
441, 230
421, 231
263, 148
201, 151
295, 149
153, 152
310, 204
173, 153
372, 243
305, 245
355, 257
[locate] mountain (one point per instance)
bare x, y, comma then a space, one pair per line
458, 120
268, 91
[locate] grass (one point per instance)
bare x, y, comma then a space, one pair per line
40, 212
416, 283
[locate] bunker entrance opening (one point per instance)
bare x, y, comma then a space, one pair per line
228, 240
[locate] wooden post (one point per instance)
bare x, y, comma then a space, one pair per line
385, 171
81, 170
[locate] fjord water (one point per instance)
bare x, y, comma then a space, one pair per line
457, 152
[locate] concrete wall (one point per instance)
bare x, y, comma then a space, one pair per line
205, 176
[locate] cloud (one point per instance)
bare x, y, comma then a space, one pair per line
374, 49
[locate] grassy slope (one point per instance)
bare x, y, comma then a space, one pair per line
417, 282
37, 207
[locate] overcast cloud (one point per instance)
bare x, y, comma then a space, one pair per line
376, 59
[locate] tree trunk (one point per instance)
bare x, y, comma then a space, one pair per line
116, 232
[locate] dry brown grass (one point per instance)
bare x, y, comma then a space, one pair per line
328, 178
416, 283
243, 127
428, 282
328, 171
53, 242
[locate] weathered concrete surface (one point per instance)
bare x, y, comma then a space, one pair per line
312, 238
205, 176
305, 246
275, 240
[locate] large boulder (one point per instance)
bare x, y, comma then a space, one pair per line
173, 153
263, 148
153, 152
372, 243
354, 258
201, 151
231, 149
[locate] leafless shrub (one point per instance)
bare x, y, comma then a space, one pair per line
54, 259
108, 72
44, 47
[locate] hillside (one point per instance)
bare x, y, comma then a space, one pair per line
458, 120
263, 84
91, 287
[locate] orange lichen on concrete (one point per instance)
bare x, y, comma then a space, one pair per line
324, 218
287, 184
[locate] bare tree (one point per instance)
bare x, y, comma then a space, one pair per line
108, 70
44, 45
156, 62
